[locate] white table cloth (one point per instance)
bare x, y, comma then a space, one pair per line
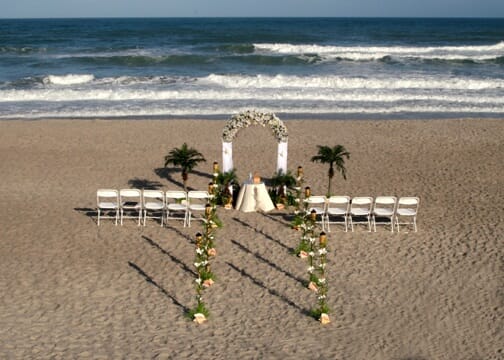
254, 197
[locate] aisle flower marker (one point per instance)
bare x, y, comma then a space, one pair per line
304, 222
316, 255
205, 253
320, 282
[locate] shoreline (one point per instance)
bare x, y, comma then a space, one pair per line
291, 117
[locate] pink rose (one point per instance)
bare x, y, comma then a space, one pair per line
303, 254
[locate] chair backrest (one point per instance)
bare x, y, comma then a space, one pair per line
361, 202
316, 199
129, 192
107, 194
130, 195
385, 202
338, 200
176, 198
317, 203
153, 196
198, 194
175, 195
408, 202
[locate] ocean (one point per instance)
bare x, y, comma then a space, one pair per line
342, 68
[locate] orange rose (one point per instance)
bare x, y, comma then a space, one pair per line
312, 286
208, 282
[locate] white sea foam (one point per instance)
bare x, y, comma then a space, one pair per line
362, 53
384, 95
70, 79
225, 94
285, 81
104, 112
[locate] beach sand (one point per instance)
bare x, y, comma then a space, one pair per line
71, 289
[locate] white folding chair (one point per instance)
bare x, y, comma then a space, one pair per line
176, 205
317, 203
196, 202
384, 208
130, 201
153, 205
107, 201
407, 208
337, 211
360, 208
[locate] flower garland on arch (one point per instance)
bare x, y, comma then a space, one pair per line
253, 117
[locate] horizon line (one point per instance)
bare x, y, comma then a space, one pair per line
251, 17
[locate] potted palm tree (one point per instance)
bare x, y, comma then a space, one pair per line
335, 157
226, 181
185, 157
280, 182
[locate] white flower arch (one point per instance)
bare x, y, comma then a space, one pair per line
244, 120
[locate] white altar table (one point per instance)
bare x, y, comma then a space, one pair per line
254, 197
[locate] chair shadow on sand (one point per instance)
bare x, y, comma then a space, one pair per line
281, 218
269, 237
259, 283
172, 257
270, 263
150, 280
89, 212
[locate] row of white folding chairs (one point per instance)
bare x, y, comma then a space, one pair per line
150, 204
365, 210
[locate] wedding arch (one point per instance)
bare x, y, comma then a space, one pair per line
244, 120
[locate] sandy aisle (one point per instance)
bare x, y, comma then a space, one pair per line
73, 290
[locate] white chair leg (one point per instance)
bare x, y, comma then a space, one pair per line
98, 217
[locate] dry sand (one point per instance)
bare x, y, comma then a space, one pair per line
70, 289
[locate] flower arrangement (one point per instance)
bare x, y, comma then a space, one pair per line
253, 117
305, 222
319, 281
205, 252
316, 255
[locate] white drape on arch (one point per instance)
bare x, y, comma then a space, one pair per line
282, 157
227, 156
